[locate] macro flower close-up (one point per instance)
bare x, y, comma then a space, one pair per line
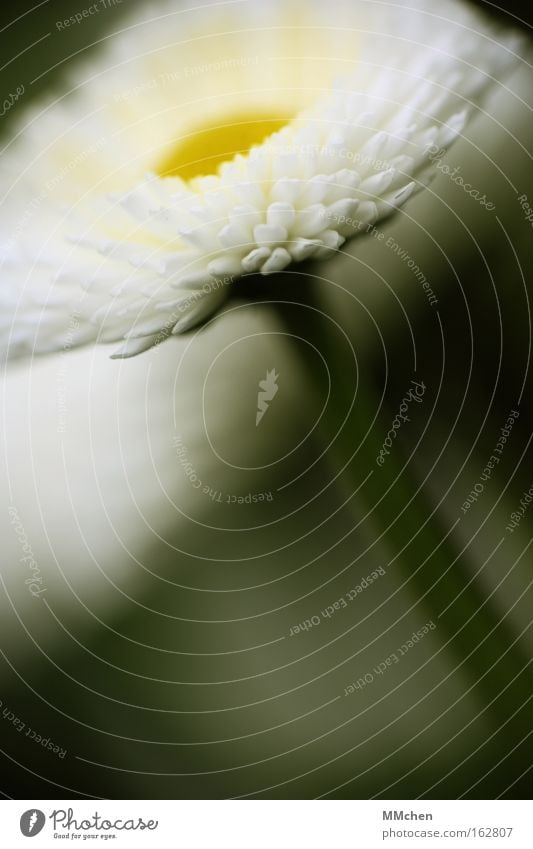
265, 340
162, 182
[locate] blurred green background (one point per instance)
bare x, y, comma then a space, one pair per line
163, 660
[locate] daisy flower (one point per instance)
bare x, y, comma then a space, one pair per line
234, 138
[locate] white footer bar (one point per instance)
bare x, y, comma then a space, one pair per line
268, 824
